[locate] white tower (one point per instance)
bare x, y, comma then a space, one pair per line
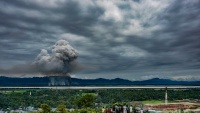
166, 96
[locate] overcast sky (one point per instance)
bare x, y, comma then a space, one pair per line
131, 39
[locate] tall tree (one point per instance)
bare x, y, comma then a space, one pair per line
45, 108
61, 108
85, 101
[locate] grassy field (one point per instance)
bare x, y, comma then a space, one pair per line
12, 91
155, 102
94, 94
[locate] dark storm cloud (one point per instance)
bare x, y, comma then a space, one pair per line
112, 37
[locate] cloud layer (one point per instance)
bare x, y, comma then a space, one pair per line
129, 39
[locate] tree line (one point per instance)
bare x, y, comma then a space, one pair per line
15, 99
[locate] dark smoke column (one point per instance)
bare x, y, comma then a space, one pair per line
57, 65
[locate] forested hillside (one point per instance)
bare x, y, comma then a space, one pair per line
23, 98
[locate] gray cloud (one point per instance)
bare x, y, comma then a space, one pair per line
115, 38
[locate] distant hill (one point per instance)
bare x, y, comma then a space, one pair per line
119, 81
36, 81
66, 81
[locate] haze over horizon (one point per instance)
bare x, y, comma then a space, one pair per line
129, 39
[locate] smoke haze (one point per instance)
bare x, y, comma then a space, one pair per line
59, 62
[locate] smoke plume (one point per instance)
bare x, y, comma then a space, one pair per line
60, 61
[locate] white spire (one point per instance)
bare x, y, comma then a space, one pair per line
166, 96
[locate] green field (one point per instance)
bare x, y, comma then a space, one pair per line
13, 91
94, 94
155, 102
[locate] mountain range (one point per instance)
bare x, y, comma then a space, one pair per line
66, 81
119, 81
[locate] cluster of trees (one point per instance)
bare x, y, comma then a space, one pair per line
62, 109
127, 95
83, 99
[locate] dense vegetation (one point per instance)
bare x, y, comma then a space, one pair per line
75, 98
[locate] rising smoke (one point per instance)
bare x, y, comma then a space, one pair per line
60, 61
